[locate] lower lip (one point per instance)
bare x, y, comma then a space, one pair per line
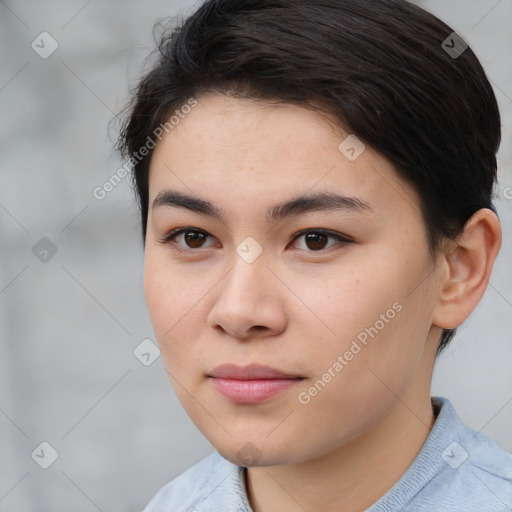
251, 391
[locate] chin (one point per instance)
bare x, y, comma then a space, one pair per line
256, 450
250, 454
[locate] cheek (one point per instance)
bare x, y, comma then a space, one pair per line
366, 315
373, 350
172, 297
348, 302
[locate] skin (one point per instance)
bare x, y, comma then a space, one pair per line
299, 306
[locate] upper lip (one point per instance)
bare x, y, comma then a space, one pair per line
250, 372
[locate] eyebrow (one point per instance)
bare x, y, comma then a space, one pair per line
320, 201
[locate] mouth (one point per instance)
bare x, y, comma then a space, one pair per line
251, 384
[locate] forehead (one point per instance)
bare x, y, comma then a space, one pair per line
251, 152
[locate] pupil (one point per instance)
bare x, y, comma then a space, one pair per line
314, 239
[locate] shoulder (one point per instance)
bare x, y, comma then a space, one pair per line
199, 487
457, 469
477, 476
474, 473
484, 470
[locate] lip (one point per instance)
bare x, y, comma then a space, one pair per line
251, 384
250, 372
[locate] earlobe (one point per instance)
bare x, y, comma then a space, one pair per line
467, 269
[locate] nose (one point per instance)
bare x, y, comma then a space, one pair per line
248, 304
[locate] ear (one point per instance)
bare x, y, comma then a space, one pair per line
466, 269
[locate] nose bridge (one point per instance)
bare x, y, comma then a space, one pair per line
247, 277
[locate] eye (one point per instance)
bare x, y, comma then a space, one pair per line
315, 240
192, 238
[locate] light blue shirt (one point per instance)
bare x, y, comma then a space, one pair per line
457, 470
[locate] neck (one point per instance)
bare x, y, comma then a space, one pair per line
353, 477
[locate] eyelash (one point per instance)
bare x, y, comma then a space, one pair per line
169, 237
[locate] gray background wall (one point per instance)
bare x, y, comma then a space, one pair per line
69, 325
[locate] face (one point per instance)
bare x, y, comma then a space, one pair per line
332, 294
